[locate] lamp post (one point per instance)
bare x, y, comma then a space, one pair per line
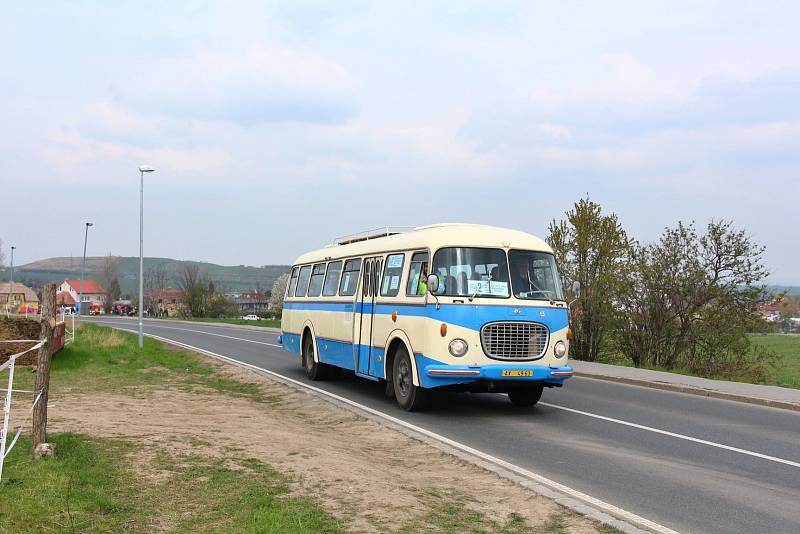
11, 283
142, 169
83, 269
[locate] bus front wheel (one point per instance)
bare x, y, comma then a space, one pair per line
410, 397
526, 397
314, 370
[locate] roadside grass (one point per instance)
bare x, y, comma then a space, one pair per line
103, 359
450, 515
787, 372
788, 348
91, 485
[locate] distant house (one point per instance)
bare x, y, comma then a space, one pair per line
250, 303
22, 300
93, 292
169, 302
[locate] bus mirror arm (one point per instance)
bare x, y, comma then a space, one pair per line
576, 293
432, 284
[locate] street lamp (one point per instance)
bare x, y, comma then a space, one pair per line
83, 269
142, 169
11, 283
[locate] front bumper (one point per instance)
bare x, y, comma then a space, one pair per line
434, 375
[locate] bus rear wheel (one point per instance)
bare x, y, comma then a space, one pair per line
314, 370
409, 397
526, 397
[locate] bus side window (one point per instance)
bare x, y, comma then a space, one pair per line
292, 283
391, 275
302, 281
317, 276
349, 283
332, 279
416, 274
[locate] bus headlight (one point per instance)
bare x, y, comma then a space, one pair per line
560, 349
458, 347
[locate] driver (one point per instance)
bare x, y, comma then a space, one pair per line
522, 279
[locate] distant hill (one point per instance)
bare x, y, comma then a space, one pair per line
791, 291
225, 278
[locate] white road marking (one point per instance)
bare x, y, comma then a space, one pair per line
588, 499
674, 435
150, 325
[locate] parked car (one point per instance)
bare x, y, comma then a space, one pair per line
251, 317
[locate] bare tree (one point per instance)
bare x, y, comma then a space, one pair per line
156, 277
195, 289
110, 277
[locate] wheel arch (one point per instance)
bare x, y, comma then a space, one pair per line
308, 330
395, 339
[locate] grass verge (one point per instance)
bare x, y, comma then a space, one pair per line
102, 359
91, 486
786, 346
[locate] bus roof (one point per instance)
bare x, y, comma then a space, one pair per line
434, 236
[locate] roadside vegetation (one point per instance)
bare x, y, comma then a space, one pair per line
270, 323
686, 302
183, 450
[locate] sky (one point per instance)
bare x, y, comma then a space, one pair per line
276, 126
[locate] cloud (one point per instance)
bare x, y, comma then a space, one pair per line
249, 87
82, 159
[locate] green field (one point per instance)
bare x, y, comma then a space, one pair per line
787, 346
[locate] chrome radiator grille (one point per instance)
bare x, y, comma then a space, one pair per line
514, 340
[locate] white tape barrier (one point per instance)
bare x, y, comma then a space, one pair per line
7, 404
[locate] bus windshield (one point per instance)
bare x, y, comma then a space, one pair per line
471, 272
534, 275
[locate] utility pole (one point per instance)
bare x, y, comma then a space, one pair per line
142, 169
83, 269
11, 283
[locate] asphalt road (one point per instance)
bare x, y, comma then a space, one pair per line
686, 485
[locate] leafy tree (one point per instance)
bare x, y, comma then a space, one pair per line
593, 249
277, 293
691, 299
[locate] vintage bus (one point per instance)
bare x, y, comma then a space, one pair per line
459, 307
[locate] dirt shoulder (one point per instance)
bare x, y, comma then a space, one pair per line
374, 478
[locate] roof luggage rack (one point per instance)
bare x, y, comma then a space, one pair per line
374, 233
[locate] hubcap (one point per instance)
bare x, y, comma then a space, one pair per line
403, 377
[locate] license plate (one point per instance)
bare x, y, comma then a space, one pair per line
516, 372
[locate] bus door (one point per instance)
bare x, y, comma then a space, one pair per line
364, 315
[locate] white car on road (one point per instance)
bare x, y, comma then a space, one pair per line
251, 317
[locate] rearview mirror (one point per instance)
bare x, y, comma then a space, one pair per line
576, 289
433, 283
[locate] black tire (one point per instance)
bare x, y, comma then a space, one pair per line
314, 370
527, 397
409, 397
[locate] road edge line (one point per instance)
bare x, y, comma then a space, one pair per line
575, 500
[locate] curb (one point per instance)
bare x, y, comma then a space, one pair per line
702, 392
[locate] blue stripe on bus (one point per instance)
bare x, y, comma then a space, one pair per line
464, 315
340, 354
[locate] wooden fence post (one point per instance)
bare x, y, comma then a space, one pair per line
43, 361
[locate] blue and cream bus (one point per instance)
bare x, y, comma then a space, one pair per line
444, 307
